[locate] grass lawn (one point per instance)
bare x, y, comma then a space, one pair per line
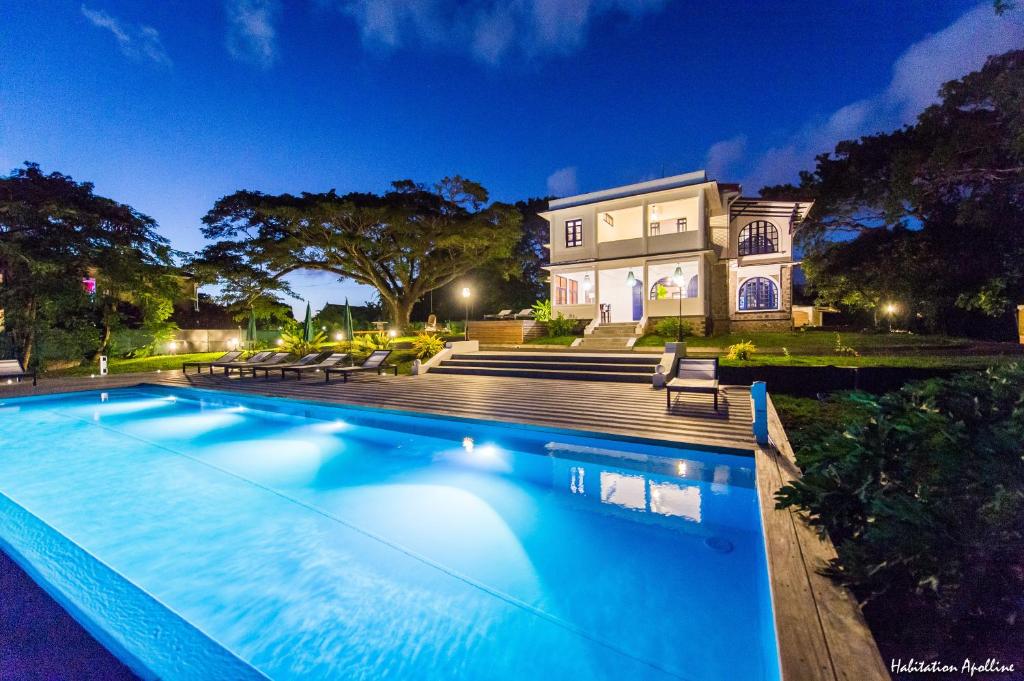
552, 340
816, 342
891, 360
127, 366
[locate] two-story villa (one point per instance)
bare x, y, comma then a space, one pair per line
644, 251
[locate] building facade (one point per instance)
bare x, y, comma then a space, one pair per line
678, 245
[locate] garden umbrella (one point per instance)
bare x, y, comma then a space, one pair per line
307, 328
347, 322
250, 334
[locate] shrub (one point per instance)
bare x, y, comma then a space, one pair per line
542, 310
923, 496
669, 327
559, 325
426, 345
365, 343
743, 350
293, 342
841, 348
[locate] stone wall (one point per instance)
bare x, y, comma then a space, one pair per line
776, 320
698, 325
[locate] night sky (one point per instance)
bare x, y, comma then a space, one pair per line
169, 105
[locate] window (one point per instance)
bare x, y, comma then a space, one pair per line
759, 237
573, 233
655, 228
567, 291
680, 224
759, 293
665, 288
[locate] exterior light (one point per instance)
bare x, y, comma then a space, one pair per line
323, 328
92, 375
232, 343
631, 279
280, 341
677, 276
339, 336
467, 444
890, 308
465, 296
466, 292
392, 333
173, 345
681, 468
586, 282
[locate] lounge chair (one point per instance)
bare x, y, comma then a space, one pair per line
694, 376
12, 369
226, 357
431, 324
377, 361
259, 359
332, 360
254, 359
525, 313
504, 314
268, 367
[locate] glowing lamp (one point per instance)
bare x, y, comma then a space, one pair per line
631, 279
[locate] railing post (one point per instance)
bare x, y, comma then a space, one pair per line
759, 400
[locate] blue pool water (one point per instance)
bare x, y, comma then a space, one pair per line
312, 541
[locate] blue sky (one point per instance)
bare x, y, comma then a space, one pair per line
169, 105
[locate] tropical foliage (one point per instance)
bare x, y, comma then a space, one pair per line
365, 343
559, 325
542, 310
743, 351
293, 341
669, 327
426, 345
922, 492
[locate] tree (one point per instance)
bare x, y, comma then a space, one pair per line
405, 243
53, 233
948, 194
247, 287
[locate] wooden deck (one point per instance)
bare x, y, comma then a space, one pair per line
821, 632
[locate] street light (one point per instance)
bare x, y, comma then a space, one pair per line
677, 276
466, 293
890, 310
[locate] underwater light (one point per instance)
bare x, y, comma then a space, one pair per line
467, 444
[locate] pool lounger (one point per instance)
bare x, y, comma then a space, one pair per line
332, 360
12, 369
226, 357
276, 358
377, 361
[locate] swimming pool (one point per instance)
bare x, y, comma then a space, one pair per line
203, 534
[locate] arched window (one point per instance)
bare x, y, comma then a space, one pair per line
759, 236
665, 288
759, 293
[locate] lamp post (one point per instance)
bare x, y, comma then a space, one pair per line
466, 293
677, 276
890, 310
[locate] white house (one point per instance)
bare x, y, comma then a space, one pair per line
686, 244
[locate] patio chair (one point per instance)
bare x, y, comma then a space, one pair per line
694, 376
11, 369
226, 357
525, 313
377, 361
331, 360
254, 359
504, 314
431, 324
268, 367
259, 359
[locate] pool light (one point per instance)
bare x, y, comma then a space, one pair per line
467, 444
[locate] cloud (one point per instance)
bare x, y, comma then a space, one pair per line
251, 33
562, 182
491, 30
135, 41
917, 74
722, 155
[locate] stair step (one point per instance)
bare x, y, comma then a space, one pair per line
564, 358
565, 374
645, 369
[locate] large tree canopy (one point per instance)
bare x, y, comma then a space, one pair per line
405, 243
53, 233
929, 216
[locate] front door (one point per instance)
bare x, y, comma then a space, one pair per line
638, 300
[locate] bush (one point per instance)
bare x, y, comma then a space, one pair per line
922, 493
365, 343
542, 310
66, 344
669, 327
743, 350
426, 345
559, 325
293, 342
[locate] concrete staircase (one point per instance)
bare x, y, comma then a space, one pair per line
609, 337
564, 365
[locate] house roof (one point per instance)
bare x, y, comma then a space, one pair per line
673, 182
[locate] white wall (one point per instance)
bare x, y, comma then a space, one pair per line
613, 290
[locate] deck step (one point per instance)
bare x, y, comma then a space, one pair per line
564, 358
612, 367
565, 374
